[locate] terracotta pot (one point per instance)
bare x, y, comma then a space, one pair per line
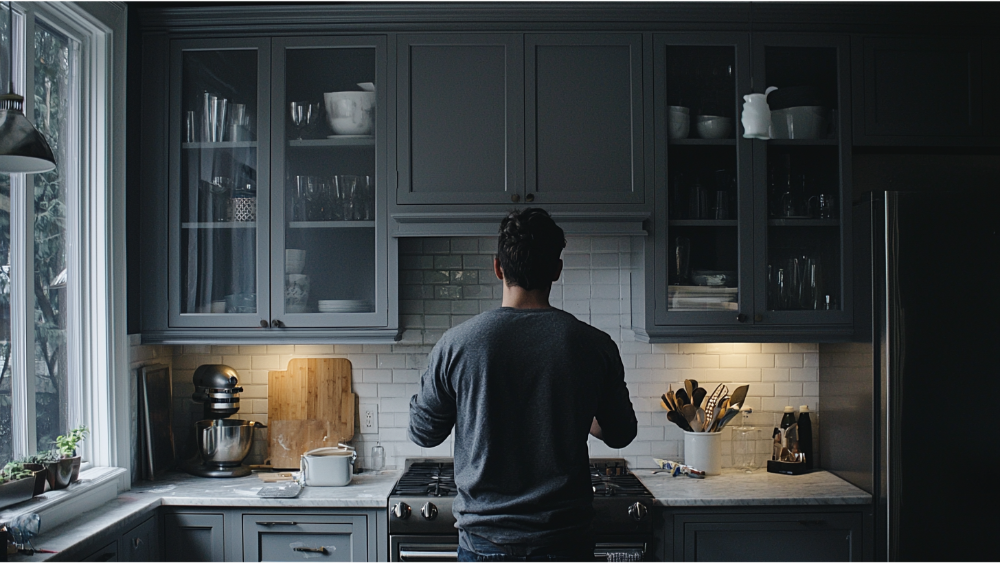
61, 472
13, 492
41, 476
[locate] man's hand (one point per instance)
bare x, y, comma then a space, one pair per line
595, 429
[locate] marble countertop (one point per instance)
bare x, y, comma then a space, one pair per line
366, 490
760, 488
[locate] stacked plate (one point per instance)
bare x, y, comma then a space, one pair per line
345, 305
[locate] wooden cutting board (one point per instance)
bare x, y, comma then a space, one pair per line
309, 405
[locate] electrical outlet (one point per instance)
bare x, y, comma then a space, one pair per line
369, 418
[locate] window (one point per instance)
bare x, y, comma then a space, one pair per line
53, 321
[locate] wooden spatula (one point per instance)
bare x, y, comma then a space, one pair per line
682, 398
739, 395
698, 396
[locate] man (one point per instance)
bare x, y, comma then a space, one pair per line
523, 386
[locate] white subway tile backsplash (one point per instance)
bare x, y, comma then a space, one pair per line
445, 281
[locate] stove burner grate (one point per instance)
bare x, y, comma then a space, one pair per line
427, 479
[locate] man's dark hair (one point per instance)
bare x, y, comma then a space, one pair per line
528, 248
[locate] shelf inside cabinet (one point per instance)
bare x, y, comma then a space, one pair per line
221, 225
703, 223
803, 222
331, 224
339, 141
221, 145
804, 142
703, 142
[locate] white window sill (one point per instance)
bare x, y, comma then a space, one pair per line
96, 486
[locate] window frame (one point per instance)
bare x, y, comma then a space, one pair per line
98, 346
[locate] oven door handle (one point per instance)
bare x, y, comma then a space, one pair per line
417, 555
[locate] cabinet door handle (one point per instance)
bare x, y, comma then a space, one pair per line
277, 324
264, 323
515, 197
136, 542
741, 318
277, 523
311, 549
529, 198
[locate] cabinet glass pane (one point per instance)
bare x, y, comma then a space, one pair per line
804, 199
703, 199
219, 182
329, 196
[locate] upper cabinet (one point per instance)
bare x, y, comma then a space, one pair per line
750, 238
926, 90
489, 121
271, 221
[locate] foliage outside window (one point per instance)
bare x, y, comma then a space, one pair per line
55, 112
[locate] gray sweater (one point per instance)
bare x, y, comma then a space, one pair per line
521, 387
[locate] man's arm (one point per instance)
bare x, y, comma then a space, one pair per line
615, 422
432, 409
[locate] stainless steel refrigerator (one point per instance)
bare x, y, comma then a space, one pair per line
908, 410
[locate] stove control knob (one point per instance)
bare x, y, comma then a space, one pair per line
429, 511
401, 510
638, 511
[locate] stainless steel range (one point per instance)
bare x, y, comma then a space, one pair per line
422, 526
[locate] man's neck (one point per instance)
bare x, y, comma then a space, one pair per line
516, 297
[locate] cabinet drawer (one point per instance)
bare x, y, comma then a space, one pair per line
106, 553
296, 537
768, 537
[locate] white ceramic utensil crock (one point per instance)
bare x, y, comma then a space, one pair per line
328, 467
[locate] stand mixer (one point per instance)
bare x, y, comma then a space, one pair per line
223, 443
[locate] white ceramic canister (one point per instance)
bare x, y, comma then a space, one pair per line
328, 467
703, 450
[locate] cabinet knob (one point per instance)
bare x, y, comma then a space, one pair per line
529, 198
264, 323
515, 197
277, 324
758, 317
136, 542
741, 318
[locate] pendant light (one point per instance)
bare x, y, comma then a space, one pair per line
23, 150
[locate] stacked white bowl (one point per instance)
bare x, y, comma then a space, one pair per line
678, 122
713, 126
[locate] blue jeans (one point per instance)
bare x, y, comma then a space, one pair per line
485, 550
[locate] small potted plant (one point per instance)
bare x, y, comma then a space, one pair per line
17, 484
37, 464
64, 464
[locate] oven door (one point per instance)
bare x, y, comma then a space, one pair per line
423, 548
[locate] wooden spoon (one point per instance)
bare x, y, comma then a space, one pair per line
690, 385
698, 396
678, 419
682, 398
739, 395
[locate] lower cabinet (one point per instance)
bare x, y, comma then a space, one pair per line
299, 537
106, 553
141, 543
261, 534
194, 536
766, 534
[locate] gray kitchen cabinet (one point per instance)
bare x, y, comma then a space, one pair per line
459, 121
741, 250
927, 90
106, 553
194, 536
141, 543
258, 213
494, 120
583, 118
288, 536
767, 535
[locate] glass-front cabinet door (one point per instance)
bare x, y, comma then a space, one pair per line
328, 242
218, 185
703, 171
802, 211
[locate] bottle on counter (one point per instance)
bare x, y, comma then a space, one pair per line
805, 435
789, 435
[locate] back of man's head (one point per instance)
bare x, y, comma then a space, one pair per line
528, 248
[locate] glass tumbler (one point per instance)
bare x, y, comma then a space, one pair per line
378, 457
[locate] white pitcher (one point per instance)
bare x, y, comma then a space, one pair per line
757, 115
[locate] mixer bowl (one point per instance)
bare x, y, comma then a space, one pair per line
224, 442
